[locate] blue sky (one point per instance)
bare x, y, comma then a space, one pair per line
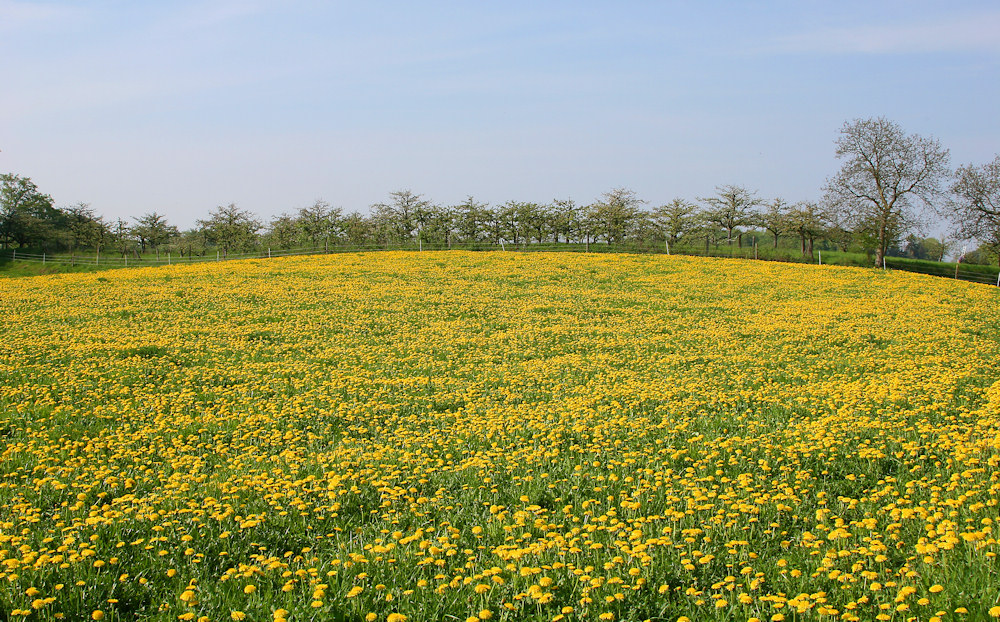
177, 107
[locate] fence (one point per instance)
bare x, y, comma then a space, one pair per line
965, 272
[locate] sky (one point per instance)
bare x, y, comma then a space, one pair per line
180, 106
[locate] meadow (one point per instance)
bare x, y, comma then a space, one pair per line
498, 436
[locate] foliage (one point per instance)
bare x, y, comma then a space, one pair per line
231, 228
731, 208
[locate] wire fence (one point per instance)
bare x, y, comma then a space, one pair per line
965, 272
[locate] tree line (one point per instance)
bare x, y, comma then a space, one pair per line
889, 181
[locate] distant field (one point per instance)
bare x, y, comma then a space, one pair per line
473, 436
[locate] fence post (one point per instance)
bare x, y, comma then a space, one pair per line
667, 244
43, 259
268, 252
821, 258
13, 257
217, 254
168, 258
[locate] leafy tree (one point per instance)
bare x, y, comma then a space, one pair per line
615, 213
774, 219
398, 217
120, 236
808, 220
190, 242
319, 222
509, 215
152, 230
676, 219
536, 221
437, 224
231, 229
471, 219
83, 228
976, 207
925, 248
886, 176
27, 216
565, 215
731, 208
357, 229
494, 224
936, 248
282, 232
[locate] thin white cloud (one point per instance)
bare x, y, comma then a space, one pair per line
966, 33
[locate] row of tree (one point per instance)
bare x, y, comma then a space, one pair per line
889, 182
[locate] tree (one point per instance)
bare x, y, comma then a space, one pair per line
732, 207
536, 221
231, 229
318, 222
809, 221
282, 232
357, 229
83, 227
886, 177
398, 217
190, 242
152, 230
774, 219
976, 206
470, 219
120, 236
27, 216
509, 215
565, 215
615, 213
676, 219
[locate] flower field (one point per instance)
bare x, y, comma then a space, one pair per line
463, 436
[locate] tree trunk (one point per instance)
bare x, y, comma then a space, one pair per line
880, 253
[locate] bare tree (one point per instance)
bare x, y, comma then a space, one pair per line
976, 207
886, 177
